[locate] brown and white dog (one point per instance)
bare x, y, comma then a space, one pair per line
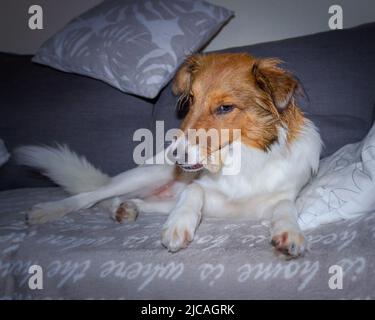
279, 151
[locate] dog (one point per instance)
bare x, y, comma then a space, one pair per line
279, 151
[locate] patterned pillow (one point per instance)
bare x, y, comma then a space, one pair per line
135, 45
344, 187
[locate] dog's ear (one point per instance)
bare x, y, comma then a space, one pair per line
181, 82
280, 85
183, 79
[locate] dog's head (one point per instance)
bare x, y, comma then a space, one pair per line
233, 91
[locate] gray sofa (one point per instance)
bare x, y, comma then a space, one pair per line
86, 255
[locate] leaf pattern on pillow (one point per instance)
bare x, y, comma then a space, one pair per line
136, 46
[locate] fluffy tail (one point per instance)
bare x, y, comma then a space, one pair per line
72, 172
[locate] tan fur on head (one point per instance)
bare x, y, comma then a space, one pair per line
261, 94
183, 79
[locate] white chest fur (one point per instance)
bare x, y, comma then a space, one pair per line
264, 177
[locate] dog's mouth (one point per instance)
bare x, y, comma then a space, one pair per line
190, 167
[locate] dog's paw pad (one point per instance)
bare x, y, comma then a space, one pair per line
290, 243
127, 211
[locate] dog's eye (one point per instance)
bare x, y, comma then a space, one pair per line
225, 108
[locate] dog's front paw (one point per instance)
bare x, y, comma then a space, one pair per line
291, 243
177, 233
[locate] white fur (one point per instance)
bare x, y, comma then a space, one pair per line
74, 173
265, 177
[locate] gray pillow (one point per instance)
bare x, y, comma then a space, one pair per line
135, 45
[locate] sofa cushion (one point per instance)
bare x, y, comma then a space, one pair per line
86, 255
336, 69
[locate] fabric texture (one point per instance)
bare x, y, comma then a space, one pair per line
336, 69
135, 46
4, 154
86, 255
344, 186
